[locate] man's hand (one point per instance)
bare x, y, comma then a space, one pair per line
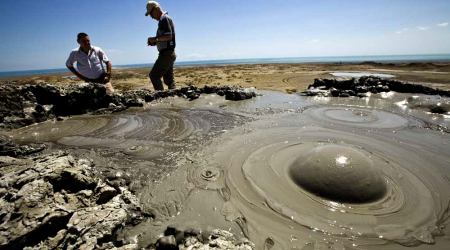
83, 78
75, 72
151, 41
107, 79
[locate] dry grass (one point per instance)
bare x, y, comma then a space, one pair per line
288, 78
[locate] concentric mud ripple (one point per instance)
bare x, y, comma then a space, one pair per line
207, 177
358, 117
143, 134
326, 188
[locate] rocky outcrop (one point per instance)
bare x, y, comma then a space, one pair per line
191, 238
362, 86
24, 105
56, 202
9, 148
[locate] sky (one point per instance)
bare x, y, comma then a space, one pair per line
40, 34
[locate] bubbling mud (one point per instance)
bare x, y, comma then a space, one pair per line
337, 173
315, 185
357, 116
207, 177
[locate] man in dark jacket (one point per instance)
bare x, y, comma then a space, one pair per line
165, 42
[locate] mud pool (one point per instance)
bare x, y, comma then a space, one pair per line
345, 74
286, 171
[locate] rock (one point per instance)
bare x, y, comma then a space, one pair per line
269, 243
363, 95
167, 242
440, 109
361, 89
11, 101
95, 225
9, 148
381, 88
105, 194
193, 97
372, 89
219, 239
50, 202
372, 84
334, 92
318, 82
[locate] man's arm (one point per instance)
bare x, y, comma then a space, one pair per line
75, 72
165, 38
108, 72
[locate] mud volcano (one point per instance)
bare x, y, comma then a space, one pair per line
285, 171
338, 173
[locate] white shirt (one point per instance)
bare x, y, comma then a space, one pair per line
89, 65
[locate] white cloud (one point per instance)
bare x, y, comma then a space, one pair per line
402, 31
226, 55
314, 41
442, 24
114, 51
422, 28
196, 56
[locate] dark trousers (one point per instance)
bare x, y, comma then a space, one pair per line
163, 68
101, 79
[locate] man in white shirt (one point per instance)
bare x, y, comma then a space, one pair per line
90, 61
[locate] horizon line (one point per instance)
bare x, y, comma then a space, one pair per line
256, 58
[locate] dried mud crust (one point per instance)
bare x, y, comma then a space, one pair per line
54, 201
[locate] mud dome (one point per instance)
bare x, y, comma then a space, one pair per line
286, 171
337, 173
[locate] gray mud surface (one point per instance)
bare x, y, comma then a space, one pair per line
284, 171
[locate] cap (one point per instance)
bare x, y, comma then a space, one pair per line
150, 6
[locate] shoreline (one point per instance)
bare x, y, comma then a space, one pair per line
421, 58
283, 77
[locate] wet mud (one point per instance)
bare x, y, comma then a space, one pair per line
285, 171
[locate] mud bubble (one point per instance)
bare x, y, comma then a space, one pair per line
338, 173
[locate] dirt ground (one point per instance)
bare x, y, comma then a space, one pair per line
287, 78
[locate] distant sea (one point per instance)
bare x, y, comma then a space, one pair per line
331, 59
